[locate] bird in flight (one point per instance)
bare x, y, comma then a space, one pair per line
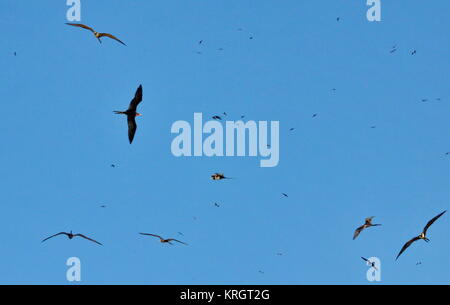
217, 117
413, 52
368, 223
96, 34
163, 240
285, 195
218, 176
422, 235
314, 115
132, 114
369, 263
217, 205
71, 235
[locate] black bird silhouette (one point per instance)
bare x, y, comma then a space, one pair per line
132, 114
422, 235
71, 235
372, 264
96, 34
163, 240
200, 42
217, 205
15, 53
314, 115
368, 223
413, 52
217, 117
218, 176
285, 195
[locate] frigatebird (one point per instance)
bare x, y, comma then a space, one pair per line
369, 263
163, 240
218, 176
422, 235
96, 34
368, 223
71, 235
132, 114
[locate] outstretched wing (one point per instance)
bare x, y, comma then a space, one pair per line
81, 26
60, 233
358, 231
111, 36
431, 222
85, 237
131, 127
154, 235
407, 245
173, 239
136, 100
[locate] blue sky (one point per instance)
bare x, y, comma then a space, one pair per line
60, 136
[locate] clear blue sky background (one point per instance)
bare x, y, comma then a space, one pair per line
59, 137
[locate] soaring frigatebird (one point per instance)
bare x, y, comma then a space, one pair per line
163, 240
422, 235
367, 224
96, 34
369, 263
132, 114
218, 176
71, 235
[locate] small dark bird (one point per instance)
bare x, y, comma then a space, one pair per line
338, 18
368, 223
422, 235
314, 115
71, 235
393, 50
413, 52
284, 194
242, 116
96, 34
225, 114
447, 153
200, 42
132, 114
262, 272
218, 176
418, 263
369, 263
217, 205
181, 233
113, 165
199, 53
162, 240
251, 37
292, 129
103, 206
15, 54
216, 117
373, 127
424, 100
